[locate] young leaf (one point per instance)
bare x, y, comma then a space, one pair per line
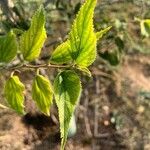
82, 37
61, 54
100, 34
85, 70
8, 47
80, 47
33, 39
42, 94
14, 94
67, 89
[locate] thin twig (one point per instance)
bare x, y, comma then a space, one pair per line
29, 66
47, 66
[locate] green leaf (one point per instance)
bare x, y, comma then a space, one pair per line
14, 94
33, 39
80, 47
145, 27
42, 93
100, 34
61, 54
82, 36
85, 70
67, 89
8, 47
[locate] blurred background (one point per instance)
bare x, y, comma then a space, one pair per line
114, 109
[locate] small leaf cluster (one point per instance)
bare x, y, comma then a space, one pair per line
78, 52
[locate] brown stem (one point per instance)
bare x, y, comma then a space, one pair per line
45, 66
29, 66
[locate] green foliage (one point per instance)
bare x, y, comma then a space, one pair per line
80, 48
67, 89
100, 34
33, 39
42, 93
84, 70
62, 54
145, 27
8, 47
14, 94
81, 45
82, 37
78, 52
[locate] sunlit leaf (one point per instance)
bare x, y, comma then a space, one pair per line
42, 93
145, 27
67, 89
85, 70
82, 36
14, 94
80, 47
100, 34
33, 39
62, 54
8, 47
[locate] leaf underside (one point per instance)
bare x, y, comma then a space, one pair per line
42, 94
33, 39
67, 89
14, 94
